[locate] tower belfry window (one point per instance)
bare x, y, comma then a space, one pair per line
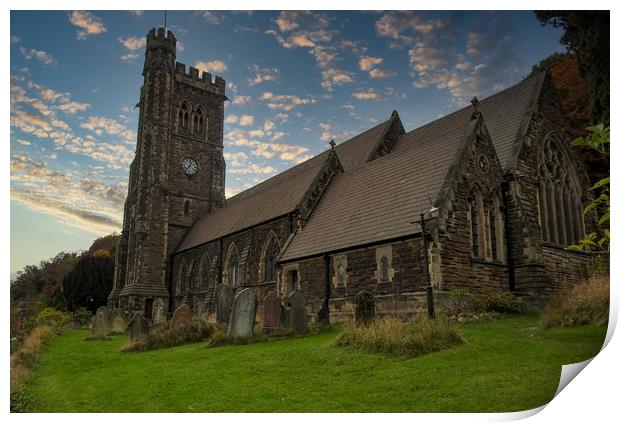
199, 122
184, 119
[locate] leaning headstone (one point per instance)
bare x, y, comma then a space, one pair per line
243, 314
118, 321
138, 327
364, 307
298, 320
223, 302
182, 317
272, 311
101, 324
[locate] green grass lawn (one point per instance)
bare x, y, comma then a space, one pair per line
506, 365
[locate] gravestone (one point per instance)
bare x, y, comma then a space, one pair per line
243, 314
182, 317
298, 320
138, 327
72, 324
272, 311
364, 307
101, 324
118, 321
158, 312
223, 302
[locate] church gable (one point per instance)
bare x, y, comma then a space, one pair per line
387, 140
331, 168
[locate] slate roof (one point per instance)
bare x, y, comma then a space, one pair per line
380, 200
278, 195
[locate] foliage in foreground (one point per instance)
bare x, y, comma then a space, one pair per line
25, 356
408, 339
584, 303
199, 329
598, 141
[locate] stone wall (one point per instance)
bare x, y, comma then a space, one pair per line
546, 117
565, 268
249, 244
405, 277
452, 239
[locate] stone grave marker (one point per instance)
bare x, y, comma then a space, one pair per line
101, 324
182, 317
298, 320
159, 316
223, 302
243, 314
364, 307
138, 327
118, 321
272, 311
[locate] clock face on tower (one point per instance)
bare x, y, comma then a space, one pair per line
189, 166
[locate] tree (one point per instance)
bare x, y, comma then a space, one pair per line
586, 35
597, 140
89, 283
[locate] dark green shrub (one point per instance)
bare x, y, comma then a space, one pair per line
198, 330
82, 315
584, 303
394, 337
498, 302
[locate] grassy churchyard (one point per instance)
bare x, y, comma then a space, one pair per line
508, 364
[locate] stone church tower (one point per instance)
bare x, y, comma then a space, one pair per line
177, 174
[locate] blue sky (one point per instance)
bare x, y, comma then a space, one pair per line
296, 80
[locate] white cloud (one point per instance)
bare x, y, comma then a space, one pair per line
381, 73
213, 66
366, 63
72, 107
241, 100
246, 120
262, 75
40, 55
209, 17
231, 119
284, 102
89, 24
367, 95
132, 43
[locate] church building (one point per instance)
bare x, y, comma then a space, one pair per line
485, 199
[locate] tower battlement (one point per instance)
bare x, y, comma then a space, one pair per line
201, 80
160, 38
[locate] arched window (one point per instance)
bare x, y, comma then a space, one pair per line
199, 122
476, 218
179, 282
559, 193
486, 217
186, 207
187, 279
205, 271
496, 227
233, 276
385, 269
183, 122
341, 274
270, 252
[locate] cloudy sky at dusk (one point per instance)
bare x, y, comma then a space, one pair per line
295, 81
